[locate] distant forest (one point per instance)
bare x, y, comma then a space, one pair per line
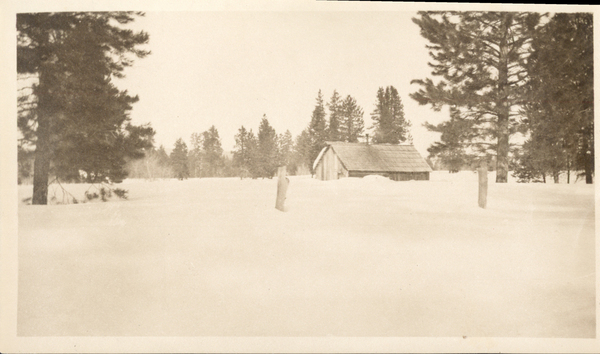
257, 155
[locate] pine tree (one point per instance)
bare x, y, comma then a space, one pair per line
285, 145
389, 124
212, 153
162, 156
195, 155
267, 149
301, 162
560, 110
245, 154
335, 117
81, 119
317, 129
179, 160
241, 152
479, 58
455, 139
352, 123
532, 163
254, 161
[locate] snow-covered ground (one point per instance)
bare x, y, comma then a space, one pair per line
353, 257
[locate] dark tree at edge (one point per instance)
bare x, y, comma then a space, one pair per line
44, 49
479, 58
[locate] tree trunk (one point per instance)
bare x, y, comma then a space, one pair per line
502, 154
588, 158
588, 168
568, 169
43, 153
41, 169
502, 105
556, 176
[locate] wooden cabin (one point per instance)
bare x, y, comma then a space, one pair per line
397, 162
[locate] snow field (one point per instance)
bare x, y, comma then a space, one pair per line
353, 257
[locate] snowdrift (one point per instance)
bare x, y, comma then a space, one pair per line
352, 257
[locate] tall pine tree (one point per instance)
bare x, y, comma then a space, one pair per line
179, 160
212, 153
242, 152
267, 149
253, 155
285, 147
389, 124
352, 124
317, 129
479, 59
195, 155
335, 117
77, 111
560, 94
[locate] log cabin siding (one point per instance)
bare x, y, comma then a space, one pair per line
395, 176
397, 162
330, 167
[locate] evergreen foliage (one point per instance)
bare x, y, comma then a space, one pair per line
179, 160
212, 153
243, 151
195, 155
335, 117
352, 124
456, 134
75, 116
253, 155
479, 58
317, 129
560, 95
389, 124
285, 147
531, 164
266, 162
227, 168
301, 163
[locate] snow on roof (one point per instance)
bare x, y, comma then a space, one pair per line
319, 156
377, 157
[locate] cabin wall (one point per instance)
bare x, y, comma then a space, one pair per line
396, 176
409, 176
330, 167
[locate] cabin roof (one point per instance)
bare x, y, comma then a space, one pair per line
377, 157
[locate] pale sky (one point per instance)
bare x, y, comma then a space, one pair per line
229, 68
226, 63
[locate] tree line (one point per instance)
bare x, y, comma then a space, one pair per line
254, 155
257, 155
346, 123
501, 74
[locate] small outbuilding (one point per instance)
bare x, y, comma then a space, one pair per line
397, 162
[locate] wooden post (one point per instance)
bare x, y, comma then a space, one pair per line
282, 185
483, 184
